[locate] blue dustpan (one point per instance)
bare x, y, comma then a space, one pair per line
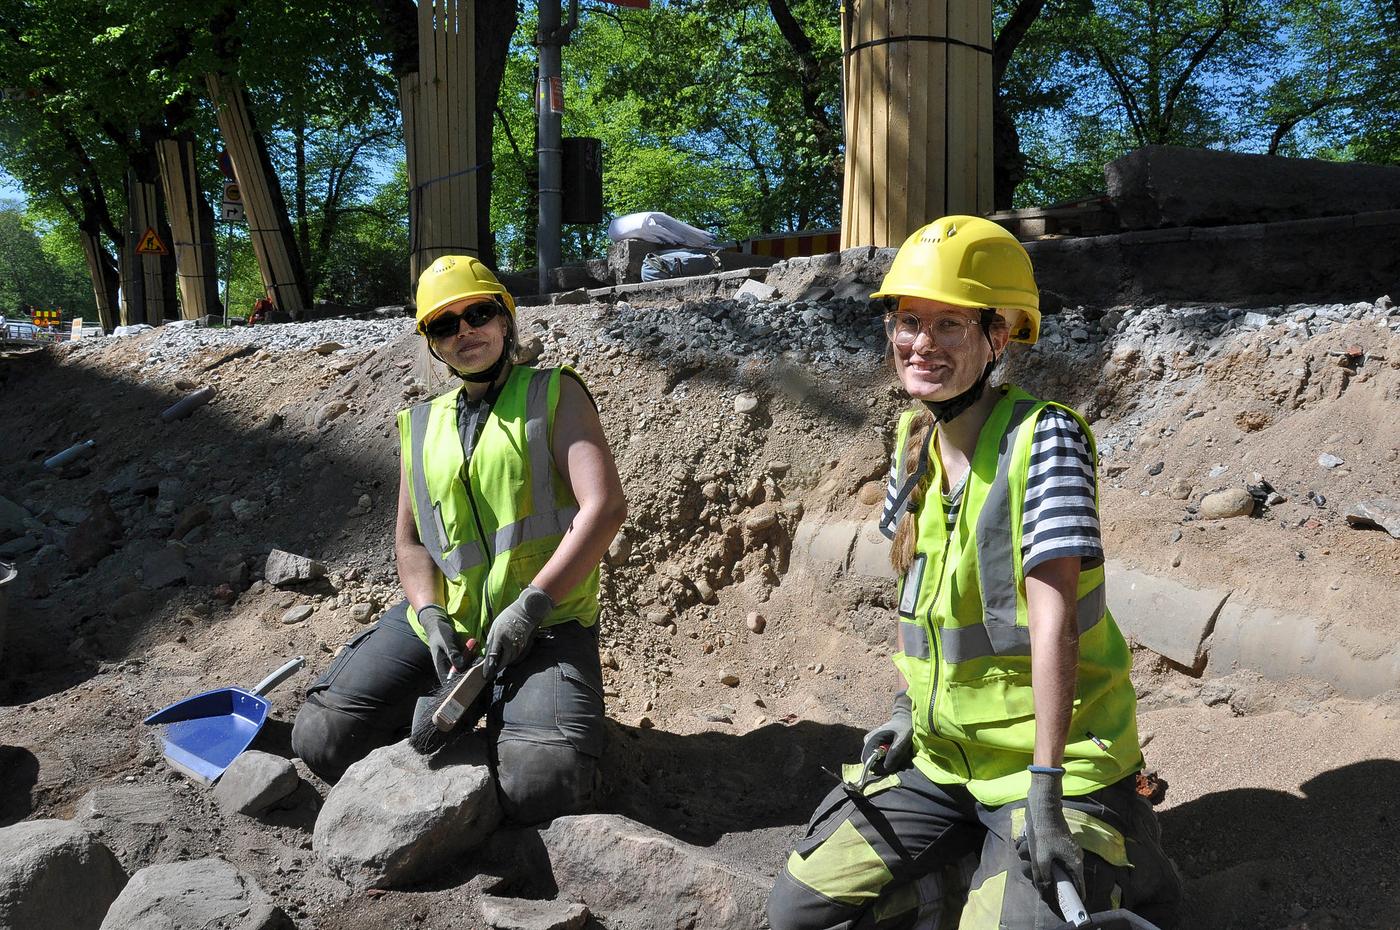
205, 733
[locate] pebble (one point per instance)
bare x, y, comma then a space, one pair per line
755, 622
361, 613
298, 614
1156, 468
659, 617
729, 679
1231, 502
745, 403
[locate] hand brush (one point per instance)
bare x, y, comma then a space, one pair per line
437, 715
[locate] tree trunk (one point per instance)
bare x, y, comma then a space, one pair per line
495, 24
1008, 161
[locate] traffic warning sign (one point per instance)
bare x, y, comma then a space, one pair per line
150, 244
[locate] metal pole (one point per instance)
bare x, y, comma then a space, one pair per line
550, 128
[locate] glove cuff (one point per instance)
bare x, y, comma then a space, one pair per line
427, 608
1055, 770
536, 603
902, 702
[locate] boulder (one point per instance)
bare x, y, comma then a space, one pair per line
521, 914
286, 568
14, 520
131, 820
53, 873
396, 816
255, 782
206, 893
1162, 614
636, 878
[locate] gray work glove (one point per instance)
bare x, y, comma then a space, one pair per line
510, 634
1048, 839
897, 732
442, 641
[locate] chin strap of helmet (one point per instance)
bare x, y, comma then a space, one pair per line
946, 411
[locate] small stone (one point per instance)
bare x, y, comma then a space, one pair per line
362, 612
330, 412
871, 493
1180, 489
761, 519
1328, 460
729, 679
1216, 691
326, 348
609, 660
659, 618
755, 622
1217, 471
645, 723
745, 403
711, 490
1231, 502
1176, 535
1176, 560
298, 614
522, 914
1156, 468
286, 568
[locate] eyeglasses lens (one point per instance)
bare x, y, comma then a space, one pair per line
947, 332
476, 315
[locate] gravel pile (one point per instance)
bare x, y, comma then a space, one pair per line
181, 339
829, 331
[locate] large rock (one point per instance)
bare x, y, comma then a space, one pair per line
287, 568
521, 914
206, 893
254, 782
131, 820
53, 873
1162, 614
636, 878
14, 520
1167, 185
396, 816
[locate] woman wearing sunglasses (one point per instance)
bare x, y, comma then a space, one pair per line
1012, 742
508, 499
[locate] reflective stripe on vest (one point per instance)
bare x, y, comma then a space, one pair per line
547, 520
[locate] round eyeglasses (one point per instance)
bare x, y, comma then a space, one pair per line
946, 331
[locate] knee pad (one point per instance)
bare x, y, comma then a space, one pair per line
541, 781
325, 741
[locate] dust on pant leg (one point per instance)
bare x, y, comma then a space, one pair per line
365, 698
546, 725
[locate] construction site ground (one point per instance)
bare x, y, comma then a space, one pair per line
1282, 808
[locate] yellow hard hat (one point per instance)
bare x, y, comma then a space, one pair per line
452, 278
970, 262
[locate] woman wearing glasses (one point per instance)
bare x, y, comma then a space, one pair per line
1012, 742
508, 498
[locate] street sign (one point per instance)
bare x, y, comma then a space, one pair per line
233, 203
549, 97
77, 331
226, 165
150, 244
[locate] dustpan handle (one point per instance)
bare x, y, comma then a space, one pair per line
1071, 905
282, 674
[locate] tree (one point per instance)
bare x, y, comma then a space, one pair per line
36, 270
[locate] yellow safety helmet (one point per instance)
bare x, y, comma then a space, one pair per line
453, 277
970, 262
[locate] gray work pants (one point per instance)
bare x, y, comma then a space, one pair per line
544, 719
890, 859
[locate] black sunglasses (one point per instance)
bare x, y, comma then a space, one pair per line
447, 324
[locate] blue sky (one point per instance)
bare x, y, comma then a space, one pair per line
9, 187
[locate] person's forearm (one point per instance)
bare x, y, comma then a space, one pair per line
417, 574
1054, 659
582, 548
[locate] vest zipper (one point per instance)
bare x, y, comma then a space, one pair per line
481, 534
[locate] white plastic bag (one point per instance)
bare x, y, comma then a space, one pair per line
654, 226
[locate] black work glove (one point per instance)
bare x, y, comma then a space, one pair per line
442, 641
1048, 839
511, 632
897, 732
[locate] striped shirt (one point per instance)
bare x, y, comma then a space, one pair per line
1059, 517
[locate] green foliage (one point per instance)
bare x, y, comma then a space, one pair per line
701, 112
39, 269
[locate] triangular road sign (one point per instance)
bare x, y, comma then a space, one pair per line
150, 244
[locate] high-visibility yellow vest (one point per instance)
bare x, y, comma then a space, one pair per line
491, 527
962, 615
